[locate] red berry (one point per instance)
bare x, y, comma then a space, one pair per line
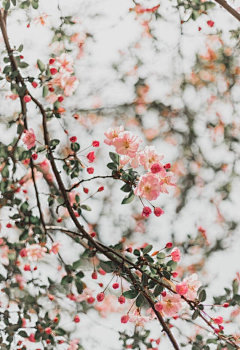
73, 139
60, 98
26, 98
94, 275
52, 60
59, 219
100, 296
34, 156
115, 285
101, 189
53, 71
27, 268
167, 166
85, 190
91, 157
21, 56
90, 170
210, 23
35, 268
95, 143
124, 319
93, 234
51, 89
226, 305
48, 341
34, 84
32, 337
90, 300
129, 249
48, 330
55, 320
158, 211
76, 319
100, 285
121, 299
146, 212
28, 26
169, 245
174, 274
164, 293
9, 225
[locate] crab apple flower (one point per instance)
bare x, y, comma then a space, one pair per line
73, 139
121, 299
73, 344
218, 320
65, 62
182, 288
158, 306
100, 296
112, 133
146, 212
95, 143
35, 252
176, 254
127, 144
158, 211
172, 304
90, 170
124, 319
148, 187
193, 286
91, 157
169, 180
55, 247
149, 156
76, 319
27, 98
29, 138
69, 84
115, 285
138, 319
157, 168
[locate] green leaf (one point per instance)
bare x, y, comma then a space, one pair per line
129, 198
158, 290
161, 256
77, 198
59, 331
21, 46
140, 300
130, 294
126, 188
147, 249
212, 341
23, 334
86, 207
66, 279
5, 172
24, 5
195, 14
106, 266
45, 91
136, 252
195, 314
115, 157
202, 296
23, 64
236, 298
112, 166
24, 235
14, 2
235, 286
54, 143
77, 264
6, 5
75, 147
35, 4
41, 65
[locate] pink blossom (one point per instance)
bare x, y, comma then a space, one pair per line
73, 344
69, 83
176, 254
182, 288
149, 156
109, 305
218, 320
65, 62
91, 157
158, 211
35, 252
138, 319
193, 286
112, 133
169, 180
124, 319
127, 144
148, 187
55, 248
43, 19
146, 212
29, 138
172, 304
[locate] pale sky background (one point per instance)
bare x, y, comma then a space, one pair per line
114, 32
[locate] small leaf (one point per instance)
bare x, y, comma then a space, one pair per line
130, 294
77, 264
75, 147
23, 64
129, 198
126, 188
41, 65
54, 143
115, 157
202, 296
147, 249
6, 5
106, 266
14, 2
195, 314
85, 207
45, 91
59, 331
140, 300
112, 166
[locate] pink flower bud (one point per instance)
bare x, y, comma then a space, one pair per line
90, 170
27, 98
48, 330
176, 254
94, 275
73, 139
101, 189
53, 71
124, 319
32, 338
76, 319
158, 211
34, 84
174, 274
169, 245
156, 168
146, 212
226, 305
121, 299
91, 157
101, 271
34, 156
218, 320
115, 285
100, 296
95, 143
164, 293
90, 300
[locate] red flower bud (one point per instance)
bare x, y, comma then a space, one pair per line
100, 296
52, 60
34, 84
90, 170
94, 275
121, 299
115, 285
158, 211
48, 330
26, 98
53, 71
124, 319
76, 319
95, 143
60, 98
34, 156
101, 189
169, 245
90, 300
73, 139
85, 190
